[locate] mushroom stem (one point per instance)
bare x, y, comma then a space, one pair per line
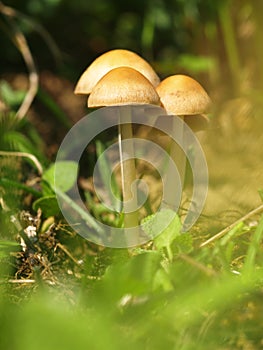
176, 157
128, 171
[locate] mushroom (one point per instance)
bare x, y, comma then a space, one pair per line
184, 97
110, 60
125, 86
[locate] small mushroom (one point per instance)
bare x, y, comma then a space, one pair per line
110, 60
184, 97
125, 86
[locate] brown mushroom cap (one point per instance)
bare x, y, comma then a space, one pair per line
110, 60
123, 85
183, 95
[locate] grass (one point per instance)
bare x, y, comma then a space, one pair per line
210, 297
58, 290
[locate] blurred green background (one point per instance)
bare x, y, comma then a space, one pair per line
217, 41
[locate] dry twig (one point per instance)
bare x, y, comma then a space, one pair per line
228, 228
21, 44
25, 155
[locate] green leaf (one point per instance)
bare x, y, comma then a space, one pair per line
260, 192
134, 276
106, 173
46, 189
19, 142
48, 205
253, 249
155, 226
7, 183
183, 243
61, 175
11, 97
162, 280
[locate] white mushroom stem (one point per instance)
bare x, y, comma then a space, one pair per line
177, 158
123, 87
128, 171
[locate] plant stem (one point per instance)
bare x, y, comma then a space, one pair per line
178, 159
128, 171
253, 249
24, 155
20, 42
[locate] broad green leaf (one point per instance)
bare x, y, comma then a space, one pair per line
162, 280
47, 190
134, 276
61, 175
11, 97
164, 227
106, 173
183, 243
48, 205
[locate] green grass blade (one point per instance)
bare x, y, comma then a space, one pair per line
249, 264
10, 183
105, 172
54, 108
83, 213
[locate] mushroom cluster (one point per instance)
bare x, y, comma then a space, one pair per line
123, 78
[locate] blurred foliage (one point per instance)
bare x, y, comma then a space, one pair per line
203, 299
218, 38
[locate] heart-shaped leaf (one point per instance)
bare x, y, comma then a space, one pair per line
61, 175
48, 205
